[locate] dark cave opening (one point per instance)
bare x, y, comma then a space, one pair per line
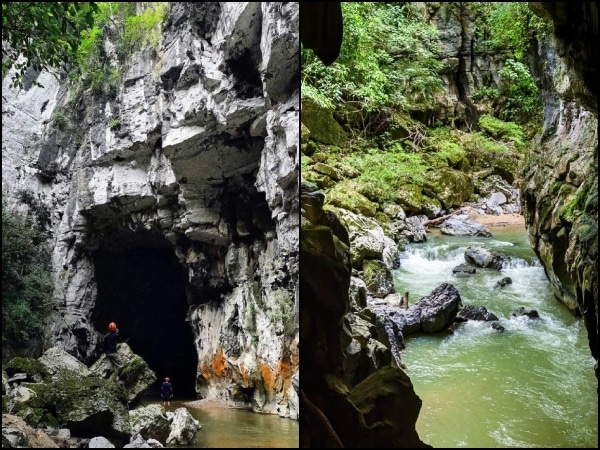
141, 287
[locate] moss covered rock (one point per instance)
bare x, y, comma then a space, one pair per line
322, 181
328, 170
321, 124
431, 207
378, 278
88, 406
368, 239
36, 372
345, 195
136, 374
304, 134
410, 197
451, 187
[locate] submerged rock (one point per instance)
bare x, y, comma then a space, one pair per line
462, 269
504, 282
471, 312
531, 313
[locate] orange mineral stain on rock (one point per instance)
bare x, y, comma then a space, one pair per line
267, 376
245, 374
219, 363
205, 370
284, 373
285, 367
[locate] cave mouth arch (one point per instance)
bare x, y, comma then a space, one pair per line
142, 287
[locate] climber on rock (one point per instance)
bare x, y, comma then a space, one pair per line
110, 349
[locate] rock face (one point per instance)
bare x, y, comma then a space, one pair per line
560, 197
467, 62
338, 397
135, 373
195, 153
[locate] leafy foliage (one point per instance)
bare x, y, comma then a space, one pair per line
115, 122
519, 98
512, 27
505, 131
382, 173
26, 282
59, 119
119, 22
45, 34
382, 90
144, 30
380, 69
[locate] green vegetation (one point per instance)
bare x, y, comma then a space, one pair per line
144, 30
380, 173
403, 140
59, 119
30, 366
508, 132
379, 69
512, 27
46, 34
100, 67
519, 98
26, 282
115, 122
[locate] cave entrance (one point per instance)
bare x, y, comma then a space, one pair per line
141, 287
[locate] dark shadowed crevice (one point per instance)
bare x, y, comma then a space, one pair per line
244, 69
142, 288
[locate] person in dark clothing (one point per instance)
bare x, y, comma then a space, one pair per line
110, 349
166, 392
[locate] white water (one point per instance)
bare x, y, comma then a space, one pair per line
531, 386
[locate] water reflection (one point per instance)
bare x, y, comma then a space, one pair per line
235, 428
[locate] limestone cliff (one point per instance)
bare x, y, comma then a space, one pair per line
560, 194
194, 158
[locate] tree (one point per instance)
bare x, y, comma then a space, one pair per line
26, 281
389, 61
42, 35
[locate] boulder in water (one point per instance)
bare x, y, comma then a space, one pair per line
471, 312
531, 313
504, 282
464, 269
482, 257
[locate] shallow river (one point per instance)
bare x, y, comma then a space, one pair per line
236, 428
530, 386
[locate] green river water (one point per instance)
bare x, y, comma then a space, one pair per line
237, 428
531, 386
